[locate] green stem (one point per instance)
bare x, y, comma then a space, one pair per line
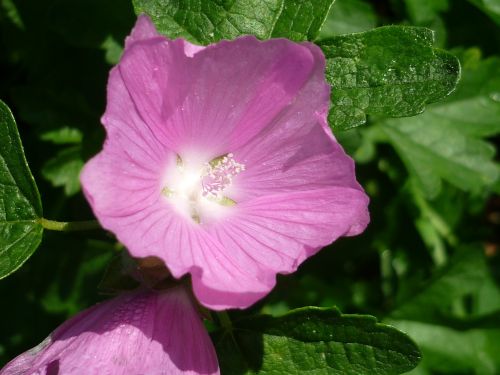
69, 226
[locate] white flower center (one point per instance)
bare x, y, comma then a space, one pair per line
197, 189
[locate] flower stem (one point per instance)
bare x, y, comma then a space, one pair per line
69, 226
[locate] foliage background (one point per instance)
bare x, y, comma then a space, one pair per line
429, 262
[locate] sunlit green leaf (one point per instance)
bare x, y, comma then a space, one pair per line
301, 19
445, 142
20, 205
392, 71
315, 341
209, 21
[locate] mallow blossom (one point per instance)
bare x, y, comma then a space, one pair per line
140, 332
219, 161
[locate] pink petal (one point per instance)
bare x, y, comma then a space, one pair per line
274, 234
144, 29
296, 151
142, 332
234, 263
126, 176
220, 280
238, 87
156, 91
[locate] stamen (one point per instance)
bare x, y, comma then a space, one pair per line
167, 192
225, 201
218, 175
188, 187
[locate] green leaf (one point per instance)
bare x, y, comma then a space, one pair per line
348, 16
452, 351
64, 294
490, 7
301, 19
314, 341
425, 11
113, 50
64, 170
454, 317
392, 71
465, 273
444, 143
12, 13
20, 205
209, 21
475, 105
64, 135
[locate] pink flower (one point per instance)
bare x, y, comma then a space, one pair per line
142, 332
219, 161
